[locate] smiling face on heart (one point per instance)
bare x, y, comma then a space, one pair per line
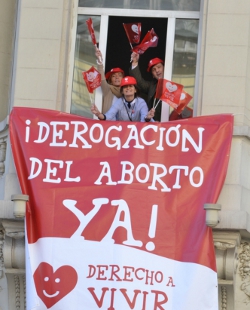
135, 28
171, 87
183, 96
53, 286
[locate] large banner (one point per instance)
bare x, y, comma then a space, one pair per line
115, 217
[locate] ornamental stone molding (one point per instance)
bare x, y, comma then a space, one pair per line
226, 245
4, 133
17, 291
244, 270
2, 155
1, 253
14, 246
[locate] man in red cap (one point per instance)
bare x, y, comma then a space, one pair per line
156, 67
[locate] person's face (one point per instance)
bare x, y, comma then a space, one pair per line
116, 78
158, 71
129, 91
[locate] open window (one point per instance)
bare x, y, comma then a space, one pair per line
118, 49
178, 46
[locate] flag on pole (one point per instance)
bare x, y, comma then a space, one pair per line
150, 40
91, 30
92, 78
169, 92
133, 32
184, 101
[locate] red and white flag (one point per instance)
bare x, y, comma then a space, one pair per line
92, 78
133, 32
112, 222
89, 23
169, 92
185, 98
150, 40
184, 101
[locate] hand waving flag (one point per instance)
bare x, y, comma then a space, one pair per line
150, 40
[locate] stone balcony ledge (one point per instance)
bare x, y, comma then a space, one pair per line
235, 219
243, 131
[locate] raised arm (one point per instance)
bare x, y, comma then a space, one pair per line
134, 70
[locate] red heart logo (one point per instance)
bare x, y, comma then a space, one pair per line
53, 286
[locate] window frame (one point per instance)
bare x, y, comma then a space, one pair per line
104, 13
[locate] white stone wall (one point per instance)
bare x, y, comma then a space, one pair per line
224, 89
7, 37
226, 59
42, 49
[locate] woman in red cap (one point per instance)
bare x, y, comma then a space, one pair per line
156, 67
110, 83
130, 107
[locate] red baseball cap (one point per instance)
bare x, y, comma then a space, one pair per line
128, 80
114, 70
153, 62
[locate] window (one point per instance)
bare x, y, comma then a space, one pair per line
178, 44
84, 59
179, 5
185, 52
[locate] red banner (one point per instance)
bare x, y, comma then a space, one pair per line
150, 40
115, 217
133, 32
91, 30
92, 79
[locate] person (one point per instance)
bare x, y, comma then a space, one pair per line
130, 107
110, 83
156, 67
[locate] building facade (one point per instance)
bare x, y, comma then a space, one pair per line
206, 47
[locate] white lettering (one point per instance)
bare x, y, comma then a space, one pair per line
84, 219
126, 223
176, 130
191, 178
115, 139
106, 172
59, 133
91, 133
127, 172
42, 126
78, 135
147, 174
160, 147
133, 135
35, 161
157, 177
144, 141
67, 177
52, 171
178, 168
187, 136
